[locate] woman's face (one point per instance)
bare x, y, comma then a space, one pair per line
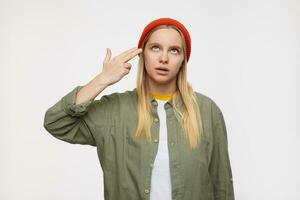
163, 56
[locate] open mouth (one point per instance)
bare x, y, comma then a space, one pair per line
162, 71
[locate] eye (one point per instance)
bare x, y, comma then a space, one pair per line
177, 51
154, 47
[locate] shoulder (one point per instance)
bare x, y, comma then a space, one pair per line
118, 97
207, 102
210, 109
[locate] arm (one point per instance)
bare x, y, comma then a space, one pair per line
219, 167
65, 120
75, 117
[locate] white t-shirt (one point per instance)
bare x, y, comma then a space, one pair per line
161, 179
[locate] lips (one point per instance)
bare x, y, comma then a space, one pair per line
162, 70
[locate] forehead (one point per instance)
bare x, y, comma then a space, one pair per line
166, 36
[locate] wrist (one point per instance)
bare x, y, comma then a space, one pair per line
101, 81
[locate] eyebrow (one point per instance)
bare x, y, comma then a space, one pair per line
171, 45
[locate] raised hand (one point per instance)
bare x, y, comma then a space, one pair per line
114, 69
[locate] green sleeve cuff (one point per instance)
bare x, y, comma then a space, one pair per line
69, 103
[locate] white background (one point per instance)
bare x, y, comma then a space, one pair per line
245, 56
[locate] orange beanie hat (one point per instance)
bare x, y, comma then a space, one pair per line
168, 21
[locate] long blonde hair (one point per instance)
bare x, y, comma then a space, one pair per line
189, 117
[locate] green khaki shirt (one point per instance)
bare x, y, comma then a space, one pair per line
109, 124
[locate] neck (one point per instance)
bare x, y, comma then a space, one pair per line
162, 89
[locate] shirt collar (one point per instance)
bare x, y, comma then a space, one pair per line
178, 102
162, 97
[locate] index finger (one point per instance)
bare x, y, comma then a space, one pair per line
132, 54
126, 52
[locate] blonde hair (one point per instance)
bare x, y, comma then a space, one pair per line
189, 117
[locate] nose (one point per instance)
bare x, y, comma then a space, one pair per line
164, 57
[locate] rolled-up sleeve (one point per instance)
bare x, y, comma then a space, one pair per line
219, 167
76, 123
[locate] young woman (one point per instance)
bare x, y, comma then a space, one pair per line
159, 141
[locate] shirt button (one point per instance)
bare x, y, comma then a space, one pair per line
154, 103
151, 165
175, 193
156, 140
172, 143
146, 191
156, 119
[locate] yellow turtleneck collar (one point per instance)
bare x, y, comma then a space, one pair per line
161, 96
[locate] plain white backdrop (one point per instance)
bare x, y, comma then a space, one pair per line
245, 56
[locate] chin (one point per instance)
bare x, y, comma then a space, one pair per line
162, 80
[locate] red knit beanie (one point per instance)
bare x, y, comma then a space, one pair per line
168, 21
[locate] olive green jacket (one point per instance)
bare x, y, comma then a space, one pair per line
109, 124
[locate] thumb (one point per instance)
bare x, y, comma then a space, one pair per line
108, 55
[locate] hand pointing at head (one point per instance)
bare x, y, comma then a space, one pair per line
116, 68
